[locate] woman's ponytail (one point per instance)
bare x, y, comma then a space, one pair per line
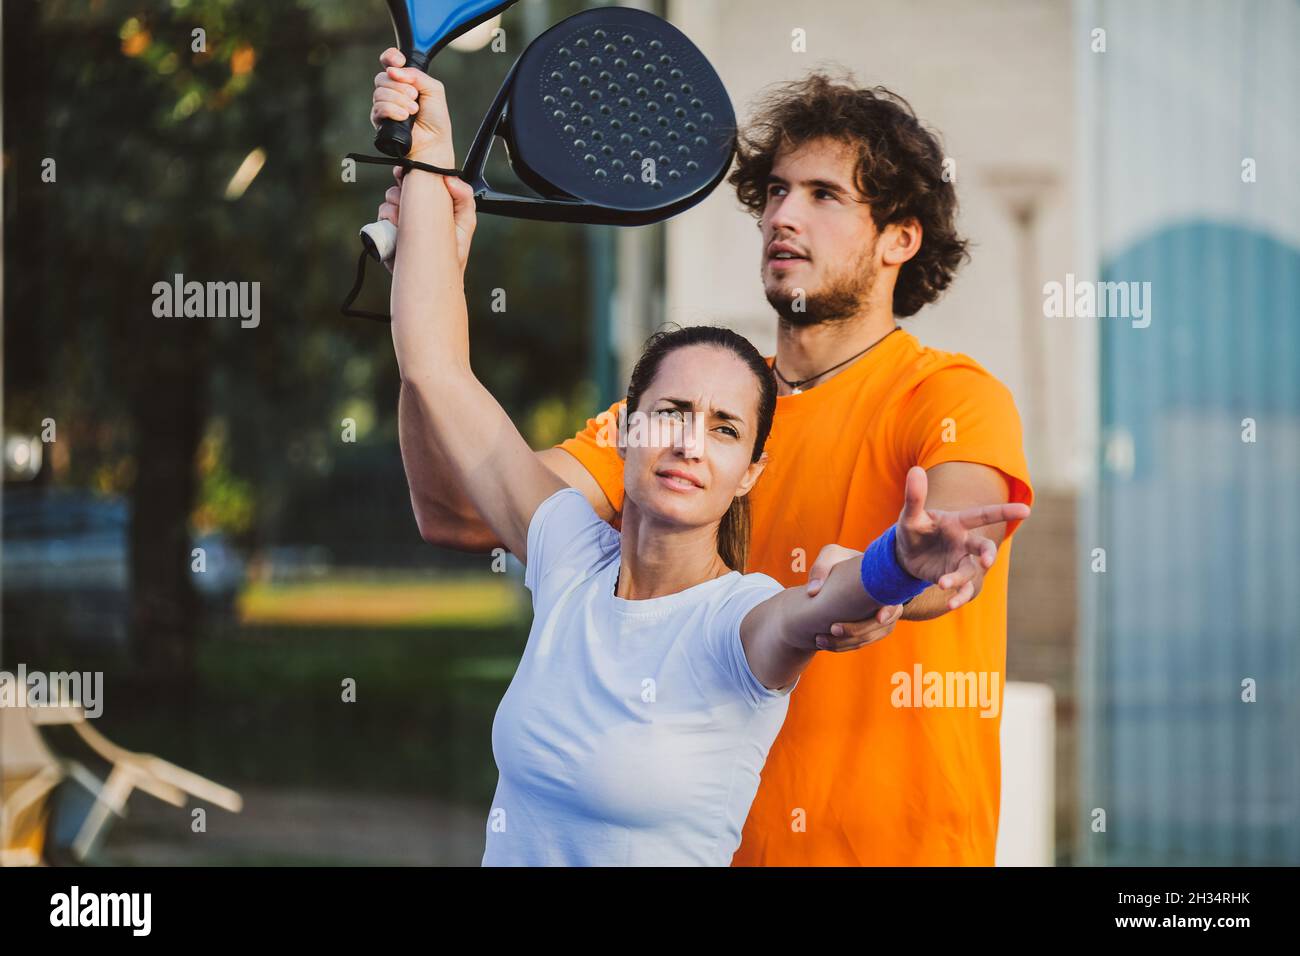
733, 534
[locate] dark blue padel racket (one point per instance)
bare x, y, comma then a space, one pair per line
612, 116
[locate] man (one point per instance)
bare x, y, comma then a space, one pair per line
888, 756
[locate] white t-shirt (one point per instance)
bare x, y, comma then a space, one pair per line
633, 732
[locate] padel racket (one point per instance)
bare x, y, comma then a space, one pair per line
612, 117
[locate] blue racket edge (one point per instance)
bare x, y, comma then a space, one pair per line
422, 29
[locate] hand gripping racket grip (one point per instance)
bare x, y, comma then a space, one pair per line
394, 136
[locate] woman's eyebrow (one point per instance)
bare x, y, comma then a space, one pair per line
689, 406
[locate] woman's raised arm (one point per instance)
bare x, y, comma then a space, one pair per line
430, 327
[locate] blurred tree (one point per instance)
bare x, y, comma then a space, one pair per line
148, 130
147, 111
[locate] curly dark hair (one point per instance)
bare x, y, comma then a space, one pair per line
899, 169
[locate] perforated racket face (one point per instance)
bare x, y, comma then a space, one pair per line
617, 108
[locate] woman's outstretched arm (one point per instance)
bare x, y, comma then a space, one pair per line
487, 455
925, 547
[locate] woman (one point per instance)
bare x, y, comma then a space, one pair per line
656, 673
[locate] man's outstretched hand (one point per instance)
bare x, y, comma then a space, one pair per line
849, 636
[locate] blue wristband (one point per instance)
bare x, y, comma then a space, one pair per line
883, 577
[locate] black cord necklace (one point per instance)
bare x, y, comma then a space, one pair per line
797, 387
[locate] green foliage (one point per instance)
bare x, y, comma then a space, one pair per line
226, 502
147, 133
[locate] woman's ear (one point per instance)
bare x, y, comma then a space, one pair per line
751, 475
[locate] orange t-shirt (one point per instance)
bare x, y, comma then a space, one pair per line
867, 770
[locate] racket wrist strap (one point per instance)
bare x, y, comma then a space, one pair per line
355, 291
406, 164
360, 280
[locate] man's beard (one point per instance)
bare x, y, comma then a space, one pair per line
843, 297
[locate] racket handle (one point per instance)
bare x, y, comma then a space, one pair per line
394, 138
380, 240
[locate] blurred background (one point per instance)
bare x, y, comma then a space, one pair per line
1152, 142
